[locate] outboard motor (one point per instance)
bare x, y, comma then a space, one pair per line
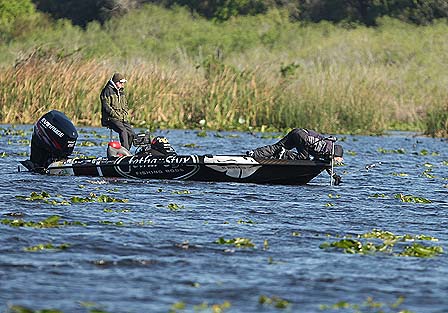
54, 138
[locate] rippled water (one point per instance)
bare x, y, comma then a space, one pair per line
160, 256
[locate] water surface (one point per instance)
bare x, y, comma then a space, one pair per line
142, 256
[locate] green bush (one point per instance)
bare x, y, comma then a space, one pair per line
15, 18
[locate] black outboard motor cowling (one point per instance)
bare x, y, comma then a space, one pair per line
54, 138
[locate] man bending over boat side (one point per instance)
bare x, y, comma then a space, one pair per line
307, 143
114, 109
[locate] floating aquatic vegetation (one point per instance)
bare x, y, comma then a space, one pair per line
268, 136
87, 143
351, 153
421, 251
387, 246
191, 145
50, 222
202, 133
22, 309
369, 305
400, 174
386, 235
177, 306
236, 242
402, 197
445, 162
174, 207
144, 223
296, 234
34, 196
77, 199
332, 196
426, 152
118, 223
329, 204
47, 246
274, 301
95, 134
219, 135
24, 142
214, 308
411, 198
388, 151
92, 197
181, 192
265, 244
43, 197
93, 307
427, 173
352, 246
6, 155
245, 222
13, 132
106, 198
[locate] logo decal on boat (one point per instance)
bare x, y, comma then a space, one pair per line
235, 167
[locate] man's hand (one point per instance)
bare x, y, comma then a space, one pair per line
338, 160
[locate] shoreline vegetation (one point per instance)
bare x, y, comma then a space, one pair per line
260, 72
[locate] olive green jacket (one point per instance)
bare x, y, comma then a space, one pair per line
114, 104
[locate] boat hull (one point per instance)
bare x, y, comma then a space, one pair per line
213, 168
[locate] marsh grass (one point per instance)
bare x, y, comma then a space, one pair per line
259, 72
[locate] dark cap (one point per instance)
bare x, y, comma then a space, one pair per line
338, 151
118, 78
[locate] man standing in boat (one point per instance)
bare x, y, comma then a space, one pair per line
307, 143
114, 109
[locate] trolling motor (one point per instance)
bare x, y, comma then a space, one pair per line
335, 179
54, 138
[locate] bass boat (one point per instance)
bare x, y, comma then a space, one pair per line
54, 137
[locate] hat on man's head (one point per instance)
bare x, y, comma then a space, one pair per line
338, 151
118, 78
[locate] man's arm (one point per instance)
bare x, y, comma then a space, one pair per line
108, 106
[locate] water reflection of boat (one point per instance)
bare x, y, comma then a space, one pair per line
213, 168
54, 138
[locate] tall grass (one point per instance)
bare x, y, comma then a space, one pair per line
247, 72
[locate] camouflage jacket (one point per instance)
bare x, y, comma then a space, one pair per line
113, 104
